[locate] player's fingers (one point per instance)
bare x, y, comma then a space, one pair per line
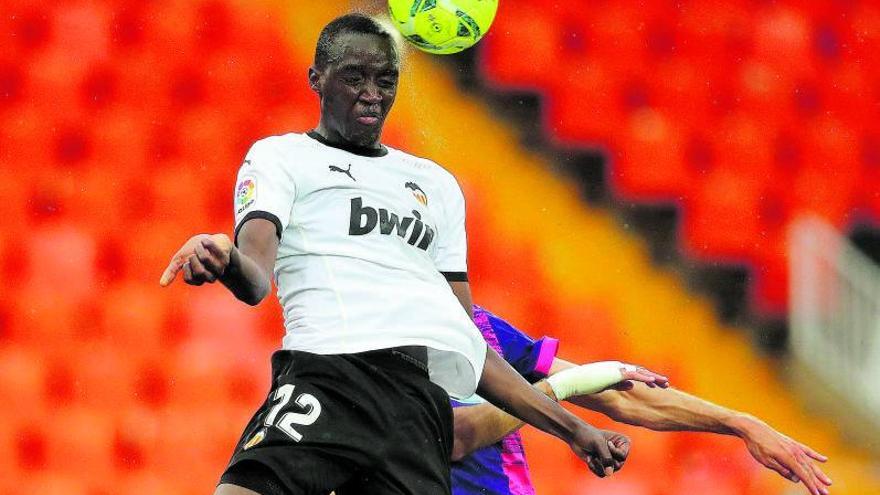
812, 453
208, 259
605, 458
188, 275
806, 476
820, 475
177, 261
199, 271
175, 265
657, 378
661, 381
170, 272
595, 466
618, 452
192, 275
645, 376
820, 480
637, 376
215, 248
782, 470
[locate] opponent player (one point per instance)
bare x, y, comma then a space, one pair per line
488, 455
365, 243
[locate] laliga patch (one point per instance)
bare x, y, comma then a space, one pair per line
245, 194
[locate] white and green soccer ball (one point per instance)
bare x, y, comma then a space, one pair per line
442, 26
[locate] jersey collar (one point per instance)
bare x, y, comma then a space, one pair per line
357, 150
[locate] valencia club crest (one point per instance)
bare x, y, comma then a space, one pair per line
420, 195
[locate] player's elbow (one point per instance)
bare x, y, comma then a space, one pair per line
459, 450
252, 297
250, 300
464, 434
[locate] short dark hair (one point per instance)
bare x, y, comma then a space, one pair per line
348, 23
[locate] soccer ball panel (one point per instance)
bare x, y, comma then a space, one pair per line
443, 26
436, 26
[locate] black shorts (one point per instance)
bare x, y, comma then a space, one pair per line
367, 423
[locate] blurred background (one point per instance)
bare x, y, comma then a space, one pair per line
691, 185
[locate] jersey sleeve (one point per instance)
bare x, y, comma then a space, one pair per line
530, 358
264, 188
450, 257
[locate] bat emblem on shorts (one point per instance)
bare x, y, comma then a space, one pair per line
334, 168
257, 438
420, 195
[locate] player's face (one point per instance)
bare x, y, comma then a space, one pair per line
357, 88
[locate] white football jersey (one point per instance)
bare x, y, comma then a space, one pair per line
367, 243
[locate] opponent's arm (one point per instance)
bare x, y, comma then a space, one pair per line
674, 410
245, 270
666, 410
484, 424
604, 452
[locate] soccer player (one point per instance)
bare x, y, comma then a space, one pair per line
488, 456
367, 246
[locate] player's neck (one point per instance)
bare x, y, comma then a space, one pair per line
335, 140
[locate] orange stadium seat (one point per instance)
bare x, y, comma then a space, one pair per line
769, 291
95, 387
77, 437
521, 49
23, 374
722, 220
53, 484
652, 161
30, 447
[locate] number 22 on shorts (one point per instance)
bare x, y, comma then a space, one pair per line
287, 421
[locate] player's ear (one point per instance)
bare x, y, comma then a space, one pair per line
315, 80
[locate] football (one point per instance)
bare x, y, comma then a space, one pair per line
442, 26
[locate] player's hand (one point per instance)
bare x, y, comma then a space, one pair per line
640, 374
791, 459
604, 452
203, 258
618, 444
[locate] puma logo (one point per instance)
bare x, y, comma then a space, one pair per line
334, 168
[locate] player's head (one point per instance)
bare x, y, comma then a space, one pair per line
355, 76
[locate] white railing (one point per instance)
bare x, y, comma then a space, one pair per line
835, 312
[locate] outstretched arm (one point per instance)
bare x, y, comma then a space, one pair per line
604, 452
500, 384
246, 271
484, 424
481, 425
673, 410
